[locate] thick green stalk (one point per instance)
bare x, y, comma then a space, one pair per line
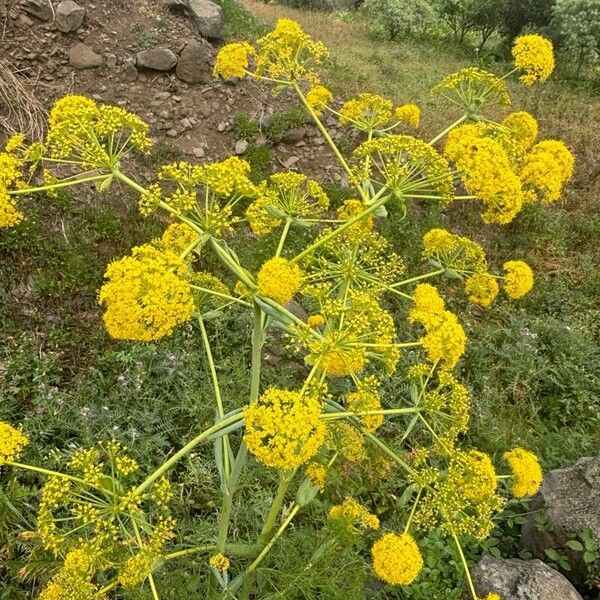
464, 564
448, 129
284, 482
332, 234
418, 278
234, 419
56, 186
284, 233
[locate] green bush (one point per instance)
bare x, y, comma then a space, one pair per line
395, 17
576, 24
525, 14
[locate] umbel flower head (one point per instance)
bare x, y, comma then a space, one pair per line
318, 97
12, 441
351, 514
409, 114
534, 55
232, 60
97, 136
283, 428
367, 112
279, 279
146, 294
396, 559
518, 280
526, 472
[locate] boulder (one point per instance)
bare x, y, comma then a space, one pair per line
570, 498
157, 59
514, 579
41, 9
194, 63
208, 18
82, 56
69, 16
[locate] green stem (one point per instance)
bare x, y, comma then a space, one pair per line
332, 234
283, 237
234, 419
418, 278
57, 474
456, 123
284, 482
219, 295
412, 512
328, 138
155, 595
56, 186
218, 397
464, 563
383, 411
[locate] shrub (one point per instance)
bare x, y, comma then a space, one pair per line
399, 17
577, 26
520, 15
291, 442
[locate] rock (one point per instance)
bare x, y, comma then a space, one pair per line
514, 579
199, 152
571, 500
294, 135
208, 18
222, 127
241, 146
130, 73
157, 59
69, 16
111, 61
194, 63
172, 133
41, 9
290, 162
82, 56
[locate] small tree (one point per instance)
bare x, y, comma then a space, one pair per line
395, 17
484, 17
522, 14
577, 25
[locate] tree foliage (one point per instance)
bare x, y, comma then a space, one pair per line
399, 17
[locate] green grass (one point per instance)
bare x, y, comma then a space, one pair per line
530, 364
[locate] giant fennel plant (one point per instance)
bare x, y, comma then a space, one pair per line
105, 517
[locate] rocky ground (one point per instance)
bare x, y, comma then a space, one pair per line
153, 57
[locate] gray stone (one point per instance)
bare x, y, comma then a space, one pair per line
514, 579
570, 498
194, 63
172, 133
69, 16
129, 72
82, 56
241, 146
199, 152
41, 9
294, 135
111, 61
157, 59
208, 18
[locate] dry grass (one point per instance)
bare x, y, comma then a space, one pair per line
20, 110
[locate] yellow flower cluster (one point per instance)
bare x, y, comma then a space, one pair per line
287, 52
318, 97
471, 88
348, 441
545, 170
523, 127
405, 164
486, 171
317, 475
146, 294
232, 60
482, 289
445, 339
453, 251
12, 442
396, 559
283, 428
285, 195
96, 136
219, 562
534, 55
352, 514
367, 112
463, 498
526, 472
518, 280
10, 174
279, 279
178, 237
409, 114
364, 400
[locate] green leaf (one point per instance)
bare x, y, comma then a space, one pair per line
590, 557
104, 184
575, 545
552, 554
